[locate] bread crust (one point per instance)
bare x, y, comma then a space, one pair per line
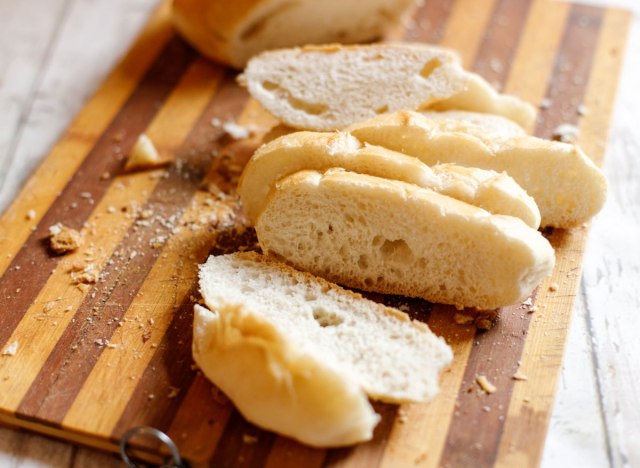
276, 387
566, 185
497, 193
427, 240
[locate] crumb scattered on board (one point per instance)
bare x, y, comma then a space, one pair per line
519, 376
485, 384
144, 155
11, 349
567, 133
63, 239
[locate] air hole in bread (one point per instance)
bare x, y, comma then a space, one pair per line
429, 67
326, 318
368, 282
310, 108
396, 250
310, 297
363, 261
382, 110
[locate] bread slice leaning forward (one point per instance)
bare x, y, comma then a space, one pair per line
396, 238
495, 192
329, 87
298, 355
566, 185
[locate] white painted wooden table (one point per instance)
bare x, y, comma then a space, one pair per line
55, 53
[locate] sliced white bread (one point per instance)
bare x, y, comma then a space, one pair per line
299, 355
330, 87
495, 192
480, 96
396, 238
566, 185
233, 31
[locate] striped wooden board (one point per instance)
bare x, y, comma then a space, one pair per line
94, 360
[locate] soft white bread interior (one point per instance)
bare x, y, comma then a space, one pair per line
329, 87
495, 192
392, 237
299, 355
566, 185
480, 96
233, 31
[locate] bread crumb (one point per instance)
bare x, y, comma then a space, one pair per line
249, 439
173, 392
553, 287
143, 155
64, 239
31, 215
545, 103
532, 309
582, 110
484, 383
567, 133
486, 408
235, 131
105, 175
527, 302
462, 319
11, 349
519, 376
81, 274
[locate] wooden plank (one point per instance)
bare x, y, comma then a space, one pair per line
63, 161
164, 392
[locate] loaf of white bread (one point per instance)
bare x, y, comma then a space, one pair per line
299, 356
232, 31
496, 192
567, 186
333, 86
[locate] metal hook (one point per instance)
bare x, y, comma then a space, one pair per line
147, 431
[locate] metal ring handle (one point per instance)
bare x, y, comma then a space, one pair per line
176, 459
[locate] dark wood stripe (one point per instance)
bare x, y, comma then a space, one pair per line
476, 427
75, 354
429, 21
242, 444
573, 63
500, 40
34, 263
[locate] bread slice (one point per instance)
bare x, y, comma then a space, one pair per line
233, 31
396, 238
298, 355
330, 87
480, 96
495, 192
567, 187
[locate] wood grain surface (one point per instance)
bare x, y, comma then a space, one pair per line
94, 360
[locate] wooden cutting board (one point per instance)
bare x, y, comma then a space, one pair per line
95, 359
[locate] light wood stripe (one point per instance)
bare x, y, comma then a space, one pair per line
532, 400
65, 158
467, 25
182, 253
102, 234
536, 55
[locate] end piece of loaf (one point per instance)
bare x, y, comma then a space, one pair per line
233, 31
497, 193
299, 355
396, 238
566, 185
